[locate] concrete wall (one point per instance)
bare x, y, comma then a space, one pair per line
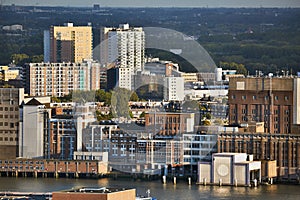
32, 139
222, 169
240, 174
204, 172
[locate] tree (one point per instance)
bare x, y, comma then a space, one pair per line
102, 96
19, 59
240, 68
206, 123
55, 100
134, 97
83, 96
142, 115
37, 58
208, 116
119, 102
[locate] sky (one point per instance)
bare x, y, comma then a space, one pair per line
158, 3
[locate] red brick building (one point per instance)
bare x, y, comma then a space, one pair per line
272, 100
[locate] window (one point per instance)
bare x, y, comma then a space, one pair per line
244, 97
276, 98
287, 112
286, 98
254, 97
233, 96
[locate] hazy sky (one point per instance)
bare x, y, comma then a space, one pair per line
159, 3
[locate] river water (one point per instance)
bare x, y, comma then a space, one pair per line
161, 191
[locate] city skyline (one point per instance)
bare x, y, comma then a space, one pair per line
156, 3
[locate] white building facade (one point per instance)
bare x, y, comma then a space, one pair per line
123, 46
174, 88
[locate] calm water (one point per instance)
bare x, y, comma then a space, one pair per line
158, 190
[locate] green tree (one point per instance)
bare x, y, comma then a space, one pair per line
37, 58
206, 123
102, 96
134, 97
119, 102
19, 59
55, 100
240, 68
142, 115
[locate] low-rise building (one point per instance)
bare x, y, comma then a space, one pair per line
169, 123
230, 169
95, 194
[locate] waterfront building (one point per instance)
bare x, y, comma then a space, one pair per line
62, 131
284, 148
272, 100
10, 100
53, 168
33, 132
123, 47
198, 147
59, 79
230, 169
68, 43
96, 193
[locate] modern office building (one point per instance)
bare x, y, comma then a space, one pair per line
46, 46
68, 43
59, 79
198, 147
174, 88
62, 132
123, 47
272, 100
10, 100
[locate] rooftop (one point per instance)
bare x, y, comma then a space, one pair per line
102, 190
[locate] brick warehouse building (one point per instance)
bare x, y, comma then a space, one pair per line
284, 148
272, 100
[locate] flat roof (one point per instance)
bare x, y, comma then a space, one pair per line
227, 154
100, 190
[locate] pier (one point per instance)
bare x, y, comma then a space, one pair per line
52, 168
